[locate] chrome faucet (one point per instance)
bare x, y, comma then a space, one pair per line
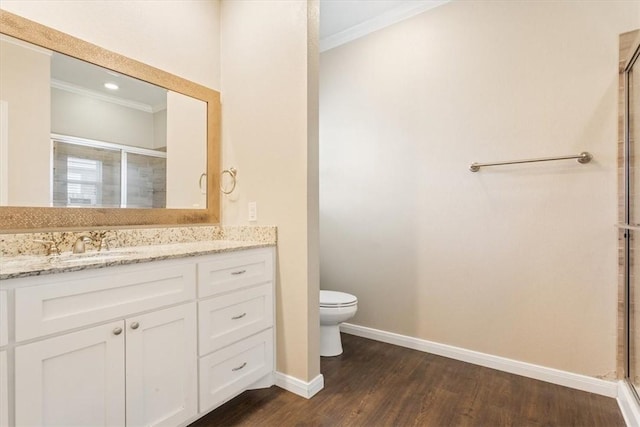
79, 246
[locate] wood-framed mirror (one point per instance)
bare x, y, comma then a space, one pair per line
63, 212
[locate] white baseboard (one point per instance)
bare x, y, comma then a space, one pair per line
628, 404
554, 376
299, 387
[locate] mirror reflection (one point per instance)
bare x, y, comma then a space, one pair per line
77, 135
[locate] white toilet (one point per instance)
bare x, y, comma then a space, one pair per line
335, 308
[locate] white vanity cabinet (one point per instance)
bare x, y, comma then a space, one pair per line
154, 344
79, 378
4, 340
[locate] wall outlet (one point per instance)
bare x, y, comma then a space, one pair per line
253, 211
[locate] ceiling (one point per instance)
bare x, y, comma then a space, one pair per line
342, 21
338, 15
88, 79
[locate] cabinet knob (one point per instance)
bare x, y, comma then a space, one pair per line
135, 325
117, 331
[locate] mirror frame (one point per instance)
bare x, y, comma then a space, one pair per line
21, 219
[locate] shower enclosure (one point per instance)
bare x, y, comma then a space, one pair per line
630, 215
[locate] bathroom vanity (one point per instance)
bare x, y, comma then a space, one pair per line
143, 336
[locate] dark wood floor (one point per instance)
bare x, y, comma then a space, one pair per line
377, 384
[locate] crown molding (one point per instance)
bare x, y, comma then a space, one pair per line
391, 17
26, 45
78, 90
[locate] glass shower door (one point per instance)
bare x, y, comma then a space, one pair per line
632, 218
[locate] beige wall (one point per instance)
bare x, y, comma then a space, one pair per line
186, 151
24, 86
87, 117
516, 261
178, 36
268, 121
160, 129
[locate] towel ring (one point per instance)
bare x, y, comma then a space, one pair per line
232, 173
203, 175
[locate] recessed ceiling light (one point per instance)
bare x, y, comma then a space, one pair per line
111, 86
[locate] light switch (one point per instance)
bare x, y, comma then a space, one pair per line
253, 211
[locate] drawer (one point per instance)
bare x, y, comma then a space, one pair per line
231, 317
4, 319
229, 272
87, 299
229, 371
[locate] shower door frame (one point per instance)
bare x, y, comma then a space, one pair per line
629, 57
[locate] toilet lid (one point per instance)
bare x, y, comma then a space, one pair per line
336, 299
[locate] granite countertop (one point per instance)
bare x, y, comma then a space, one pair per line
12, 267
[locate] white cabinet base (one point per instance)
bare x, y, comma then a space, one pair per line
120, 346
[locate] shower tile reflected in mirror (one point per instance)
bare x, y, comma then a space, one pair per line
92, 174
85, 176
146, 181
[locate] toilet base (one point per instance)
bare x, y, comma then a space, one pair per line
330, 341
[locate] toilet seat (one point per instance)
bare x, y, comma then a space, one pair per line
333, 299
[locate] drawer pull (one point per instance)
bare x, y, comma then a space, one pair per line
239, 272
240, 316
239, 367
135, 325
117, 331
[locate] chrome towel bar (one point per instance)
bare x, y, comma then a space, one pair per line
583, 157
628, 227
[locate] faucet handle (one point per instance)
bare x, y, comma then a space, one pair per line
106, 241
101, 240
98, 239
49, 246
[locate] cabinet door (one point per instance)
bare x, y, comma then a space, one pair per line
4, 319
162, 367
76, 379
4, 390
